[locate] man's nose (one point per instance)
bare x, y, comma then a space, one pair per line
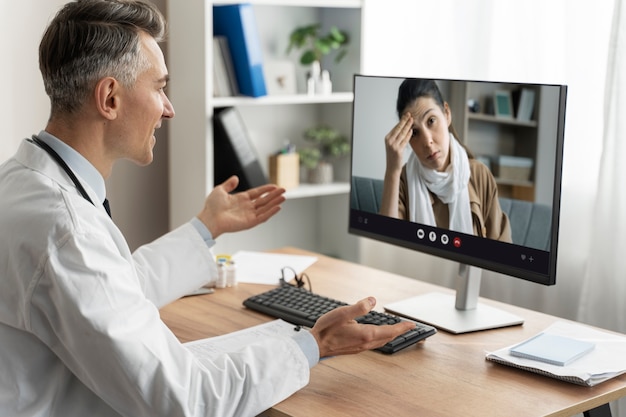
168, 109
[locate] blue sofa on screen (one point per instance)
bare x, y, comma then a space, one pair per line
530, 222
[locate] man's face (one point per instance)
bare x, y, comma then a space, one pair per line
143, 107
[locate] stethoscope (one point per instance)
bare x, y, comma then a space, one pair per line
43, 145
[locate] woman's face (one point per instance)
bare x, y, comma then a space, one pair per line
430, 139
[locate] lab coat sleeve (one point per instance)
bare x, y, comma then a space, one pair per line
89, 308
174, 265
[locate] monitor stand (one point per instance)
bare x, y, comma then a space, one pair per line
460, 314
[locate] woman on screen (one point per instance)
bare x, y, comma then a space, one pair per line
441, 183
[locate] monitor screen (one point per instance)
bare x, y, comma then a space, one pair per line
467, 170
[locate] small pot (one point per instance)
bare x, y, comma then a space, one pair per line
321, 174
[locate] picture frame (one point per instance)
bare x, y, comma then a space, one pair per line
503, 104
280, 77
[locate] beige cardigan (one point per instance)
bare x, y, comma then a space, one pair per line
487, 217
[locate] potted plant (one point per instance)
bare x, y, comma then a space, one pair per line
327, 144
315, 46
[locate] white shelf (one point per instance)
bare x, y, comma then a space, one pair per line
345, 97
518, 183
317, 190
503, 120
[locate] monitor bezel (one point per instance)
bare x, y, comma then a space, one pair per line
366, 224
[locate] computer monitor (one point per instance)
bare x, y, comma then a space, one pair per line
495, 209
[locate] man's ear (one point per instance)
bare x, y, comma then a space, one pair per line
107, 96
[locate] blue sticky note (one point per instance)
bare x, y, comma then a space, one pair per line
552, 349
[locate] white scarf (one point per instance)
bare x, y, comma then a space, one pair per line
450, 186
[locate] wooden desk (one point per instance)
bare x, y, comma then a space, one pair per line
446, 375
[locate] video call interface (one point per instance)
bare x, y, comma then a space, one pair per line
514, 129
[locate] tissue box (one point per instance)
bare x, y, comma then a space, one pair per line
514, 168
285, 170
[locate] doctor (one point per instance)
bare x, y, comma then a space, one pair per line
79, 322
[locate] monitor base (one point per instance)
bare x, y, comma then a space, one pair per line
438, 309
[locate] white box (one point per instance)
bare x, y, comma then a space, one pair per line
514, 168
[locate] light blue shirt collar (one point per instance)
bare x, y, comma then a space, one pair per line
78, 163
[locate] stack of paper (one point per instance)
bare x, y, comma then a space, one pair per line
266, 268
598, 356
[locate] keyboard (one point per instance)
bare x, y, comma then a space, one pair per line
302, 307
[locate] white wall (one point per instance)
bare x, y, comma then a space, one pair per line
138, 195
24, 108
372, 121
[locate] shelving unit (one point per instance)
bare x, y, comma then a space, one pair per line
314, 216
487, 135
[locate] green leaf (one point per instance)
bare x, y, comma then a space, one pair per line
341, 54
323, 46
310, 157
315, 46
308, 57
337, 35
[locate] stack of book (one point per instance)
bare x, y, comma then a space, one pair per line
524, 102
224, 79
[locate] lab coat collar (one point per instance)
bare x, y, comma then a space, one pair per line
78, 163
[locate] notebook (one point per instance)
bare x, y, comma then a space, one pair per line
553, 349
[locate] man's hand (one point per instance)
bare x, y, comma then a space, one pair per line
337, 333
224, 212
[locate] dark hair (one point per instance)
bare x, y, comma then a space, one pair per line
91, 39
413, 88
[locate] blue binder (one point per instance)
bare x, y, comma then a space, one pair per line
237, 23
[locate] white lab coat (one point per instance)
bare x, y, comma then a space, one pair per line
80, 333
